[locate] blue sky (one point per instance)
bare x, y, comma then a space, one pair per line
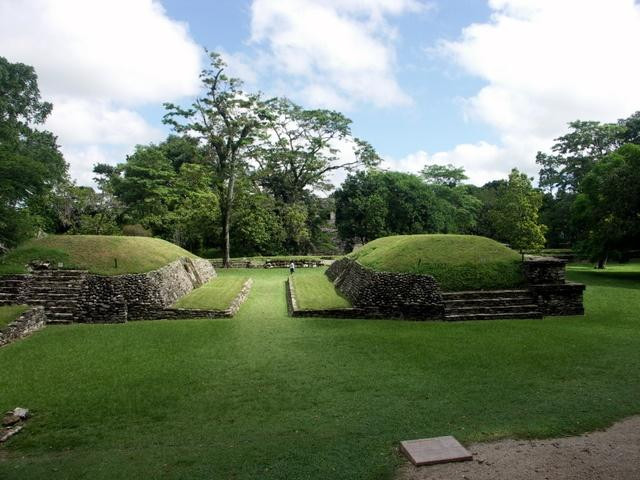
479, 84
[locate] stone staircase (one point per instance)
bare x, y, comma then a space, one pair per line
58, 291
490, 304
10, 287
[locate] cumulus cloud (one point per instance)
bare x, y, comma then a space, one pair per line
337, 52
546, 63
98, 62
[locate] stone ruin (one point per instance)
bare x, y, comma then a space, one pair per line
69, 296
401, 295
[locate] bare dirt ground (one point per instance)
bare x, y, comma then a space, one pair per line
613, 454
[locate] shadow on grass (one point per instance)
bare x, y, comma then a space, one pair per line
604, 278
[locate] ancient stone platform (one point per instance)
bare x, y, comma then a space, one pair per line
429, 451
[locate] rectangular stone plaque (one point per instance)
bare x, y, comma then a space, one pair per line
429, 451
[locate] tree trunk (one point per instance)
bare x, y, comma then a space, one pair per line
602, 262
227, 207
226, 245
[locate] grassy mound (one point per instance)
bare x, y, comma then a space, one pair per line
458, 262
95, 253
216, 294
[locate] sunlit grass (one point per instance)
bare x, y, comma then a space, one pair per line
263, 395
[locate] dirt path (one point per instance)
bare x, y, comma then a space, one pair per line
610, 454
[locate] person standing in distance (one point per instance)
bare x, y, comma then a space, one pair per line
292, 268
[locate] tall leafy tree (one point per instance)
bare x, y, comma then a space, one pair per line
226, 121
30, 163
446, 175
575, 153
516, 213
301, 148
457, 200
608, 205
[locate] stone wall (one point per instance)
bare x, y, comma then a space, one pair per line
27, 323
419, 296
395, 294
77, 296
559, 299
544, 270
109, 299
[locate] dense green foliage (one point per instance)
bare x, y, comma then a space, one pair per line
30, 164
266, 396
8, 313
373, 204
298, 151
106, 255
608, 205
314, 291
515, 214
562, 174
216, 294
458, 262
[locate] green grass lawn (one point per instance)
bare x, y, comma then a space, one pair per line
314, 291
8, 313
458, 262
217, 294
96, 253
263, 395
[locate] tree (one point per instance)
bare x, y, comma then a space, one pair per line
30, 163
226, 121
576, 152
460, 205
377, 203
574, 156
300, 149
516, 213
608, 205
166, 189
446, 175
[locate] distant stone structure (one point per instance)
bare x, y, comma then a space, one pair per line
78, 296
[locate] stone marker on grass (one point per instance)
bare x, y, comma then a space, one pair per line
429, 451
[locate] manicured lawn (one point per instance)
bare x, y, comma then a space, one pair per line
267, 396
458, 262
216, 294
8, 313
314, 291
96, 253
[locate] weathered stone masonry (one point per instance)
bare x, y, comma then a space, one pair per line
419, 296
392, 294
27, 323
77, 296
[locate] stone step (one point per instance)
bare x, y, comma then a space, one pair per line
522, 300
52, 295
534, 314
55, 289
471, 294
490, 309
58, 321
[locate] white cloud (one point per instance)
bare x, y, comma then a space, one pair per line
336, 52
85, 122
98, 62
482, 161
546, 63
